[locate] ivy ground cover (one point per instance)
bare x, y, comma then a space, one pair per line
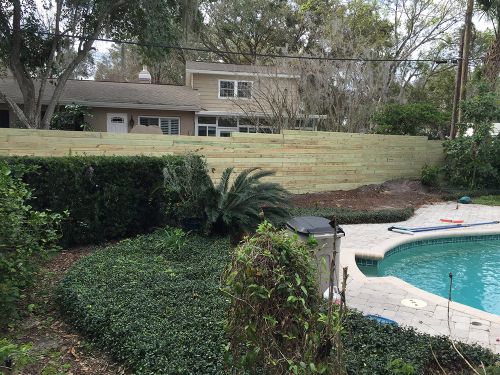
153, 302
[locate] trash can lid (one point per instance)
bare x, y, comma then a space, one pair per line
312, 225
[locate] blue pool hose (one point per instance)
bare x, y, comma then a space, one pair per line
441, 227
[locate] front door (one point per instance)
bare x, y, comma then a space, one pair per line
117, 123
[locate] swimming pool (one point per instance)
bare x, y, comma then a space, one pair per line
474, 262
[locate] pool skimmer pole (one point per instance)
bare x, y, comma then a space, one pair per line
412, 231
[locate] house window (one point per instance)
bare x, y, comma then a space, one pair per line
149, 121
235, 89
168, 125
226, 89
117, 120
244, 89
228, 122
207, 120
207, 131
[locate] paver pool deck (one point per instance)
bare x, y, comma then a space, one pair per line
383, 295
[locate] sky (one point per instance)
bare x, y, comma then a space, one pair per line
479, 20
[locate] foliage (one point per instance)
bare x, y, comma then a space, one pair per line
348, 216
412, 119
158, 309
153, 306
372, 348
273, 319
186, 184
240, 207
26, 237
489, 200
474, 160
430, 175
72, 117
107, 197
35, 41
14, 355
259, 26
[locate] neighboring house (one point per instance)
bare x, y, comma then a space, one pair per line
218, 99
121, 107
242, 98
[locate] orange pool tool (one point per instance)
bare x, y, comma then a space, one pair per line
452, 221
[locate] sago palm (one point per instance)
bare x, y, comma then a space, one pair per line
239, 207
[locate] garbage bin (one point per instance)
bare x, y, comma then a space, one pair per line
323, 232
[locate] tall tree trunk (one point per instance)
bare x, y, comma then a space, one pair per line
492, 63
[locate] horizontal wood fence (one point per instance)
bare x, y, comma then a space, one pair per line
303, 161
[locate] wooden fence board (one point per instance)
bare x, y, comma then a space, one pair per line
303, 161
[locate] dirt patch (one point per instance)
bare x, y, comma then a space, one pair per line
391, 194
55, 347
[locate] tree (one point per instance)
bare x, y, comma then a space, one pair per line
39, 50
251, 27
347, 92
492, 60
418, 26
124, 62
412, 119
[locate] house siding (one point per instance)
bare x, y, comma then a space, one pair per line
99, 118
208, 89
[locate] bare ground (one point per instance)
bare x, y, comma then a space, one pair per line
56, 348
391, 194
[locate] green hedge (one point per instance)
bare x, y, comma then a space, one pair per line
107, 197
153, 306
370, 348
347, 216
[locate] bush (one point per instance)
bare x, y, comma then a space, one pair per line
107, 197
473, 161
347, 216
430, 175
412, 119
371, 348
26, 237
275, 304
153, 305
186, 184
239, 207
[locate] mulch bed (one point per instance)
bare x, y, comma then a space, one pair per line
392, 194
56, 348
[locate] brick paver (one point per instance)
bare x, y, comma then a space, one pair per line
383, 295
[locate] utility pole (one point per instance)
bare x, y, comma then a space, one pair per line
466, 53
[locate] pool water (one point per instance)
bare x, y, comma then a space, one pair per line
475, 267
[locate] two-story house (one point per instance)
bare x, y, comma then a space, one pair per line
242, 98
217, 99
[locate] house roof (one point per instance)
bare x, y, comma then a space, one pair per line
116, 94
237, 69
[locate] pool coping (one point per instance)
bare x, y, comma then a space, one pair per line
377, 252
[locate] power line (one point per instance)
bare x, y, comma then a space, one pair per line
269, 55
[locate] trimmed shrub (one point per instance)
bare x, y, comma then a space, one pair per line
372, 348
107, 197
26, 237
347, 216
152, 302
